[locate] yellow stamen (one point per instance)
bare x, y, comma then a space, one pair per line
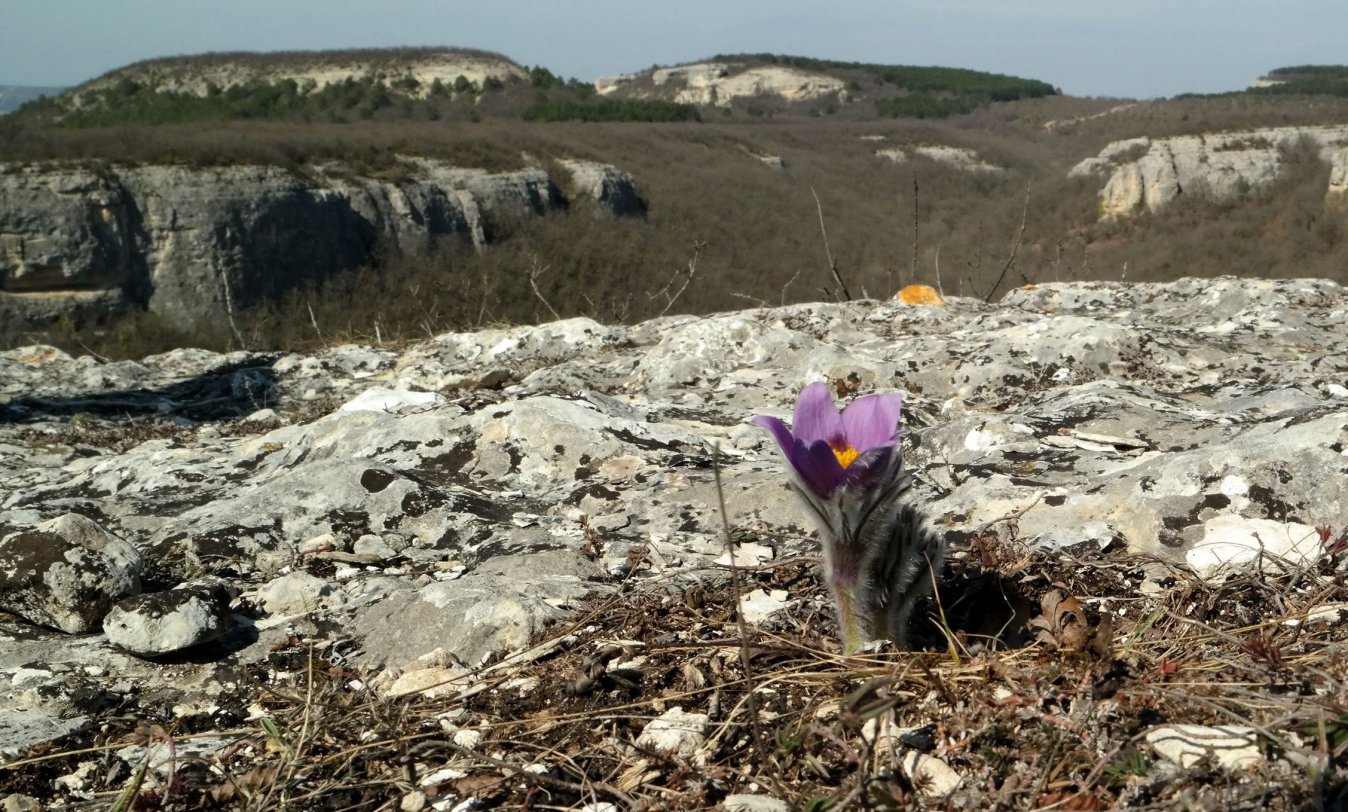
846, 454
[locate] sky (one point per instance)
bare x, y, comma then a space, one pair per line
1123, 48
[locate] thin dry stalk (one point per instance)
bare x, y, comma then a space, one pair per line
912, 268
687, 275
1015, 247
832, 263
534, 273
229, 312
738, 593
313, 319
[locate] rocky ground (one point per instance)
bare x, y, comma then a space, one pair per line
490, 569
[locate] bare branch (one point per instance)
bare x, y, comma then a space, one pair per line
229, 312
1015, 248
534, 273
912, 271
832, 263
939, 289
793, 278
687, 274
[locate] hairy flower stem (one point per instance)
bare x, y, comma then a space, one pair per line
851, 624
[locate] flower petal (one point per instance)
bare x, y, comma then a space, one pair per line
817, 466
816, 417
872, 421
779, 430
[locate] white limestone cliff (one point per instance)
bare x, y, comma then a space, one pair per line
1146, 174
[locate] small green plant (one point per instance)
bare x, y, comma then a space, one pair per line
1131, 764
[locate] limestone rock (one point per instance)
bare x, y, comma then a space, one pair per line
1231, 747
675, 732
965, 160
293, 593
155, 623
1147, 174
721, 83
743, 802
605, 184
932, 776
191, 242
1234, 543
759, 605
66, 573
22, 728
958, 157
1157, 418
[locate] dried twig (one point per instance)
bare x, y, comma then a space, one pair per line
229, 313
688, 274
534, 273
832, 263
912, 270
738, 593
1015, 247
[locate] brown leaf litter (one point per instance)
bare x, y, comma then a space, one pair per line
1037, 681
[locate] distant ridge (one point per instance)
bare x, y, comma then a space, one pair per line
12, 97
429, 83
755, 80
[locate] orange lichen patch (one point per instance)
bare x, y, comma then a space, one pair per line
920, 294
1031, 286
33, 358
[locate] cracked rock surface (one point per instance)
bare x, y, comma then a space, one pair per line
428, 507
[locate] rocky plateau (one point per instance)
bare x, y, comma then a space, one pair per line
421, 510
200, 76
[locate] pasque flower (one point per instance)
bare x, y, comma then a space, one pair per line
878, 558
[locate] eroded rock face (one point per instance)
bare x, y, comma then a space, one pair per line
193, 242
607, 185
1147, 174
521, 469
66, 573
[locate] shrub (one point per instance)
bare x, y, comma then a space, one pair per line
611, 110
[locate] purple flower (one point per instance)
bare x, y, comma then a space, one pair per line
828, 449
878, 557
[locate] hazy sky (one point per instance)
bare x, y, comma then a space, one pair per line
1136, 48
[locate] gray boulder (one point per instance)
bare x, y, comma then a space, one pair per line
66, 573
162, 622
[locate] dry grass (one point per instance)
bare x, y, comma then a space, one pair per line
1057, 722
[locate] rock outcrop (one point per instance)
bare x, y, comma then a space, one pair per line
1146, 174
485, 483
190, 243
961, 158
721, 83
605, 184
